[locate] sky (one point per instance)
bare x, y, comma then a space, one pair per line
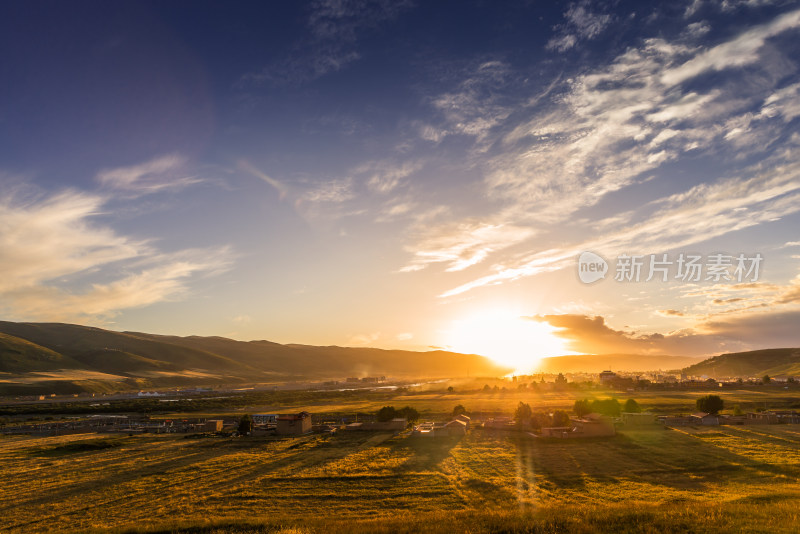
406, 174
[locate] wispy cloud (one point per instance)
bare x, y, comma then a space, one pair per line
475, 106
50, 243
361, 340
159, 174
463, 245
768, 196
582, 24
275, 184
385, 176
742, 50
334, 27
618, 126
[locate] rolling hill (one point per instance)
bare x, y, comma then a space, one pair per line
140, 360
595, 363
755, 363
18, 355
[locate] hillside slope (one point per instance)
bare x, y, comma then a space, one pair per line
144, 360
18, 355
101, 350
755, 363
595, 363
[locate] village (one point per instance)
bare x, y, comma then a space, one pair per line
557, 425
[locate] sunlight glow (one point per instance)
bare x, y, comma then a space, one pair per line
505, 337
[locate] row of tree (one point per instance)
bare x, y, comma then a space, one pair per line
525, 417
387, 413
610, 407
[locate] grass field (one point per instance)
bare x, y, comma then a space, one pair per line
437, 404
687, 480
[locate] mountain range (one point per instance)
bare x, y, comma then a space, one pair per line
66, 358
40, 355
595, 363
755, 363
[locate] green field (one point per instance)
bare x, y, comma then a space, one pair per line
700, 480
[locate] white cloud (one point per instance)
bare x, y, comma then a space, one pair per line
48, 244
334, 28
474, 108
331, 191
768, 196
385, 176
279, 186
47, 238
463, 245
162, 173
614, 127
360, 340
742, 50
582, 24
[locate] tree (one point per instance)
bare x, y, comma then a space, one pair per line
387, 413
409, 413
737, 410
608, 407
561, 381
582, 407
450, 389
710, 404
766, 379
560, 418
522, 415
540, 419
631, 406
459, 410
245, 424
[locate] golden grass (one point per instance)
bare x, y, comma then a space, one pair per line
703, 480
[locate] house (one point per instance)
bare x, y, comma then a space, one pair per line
676, 420
456, 427
557, 432
293, 424
607, 376
702, 418
430, 430
638, 419
593, 425
732, 419
424, 430
787, 416
265, 419
397, 424
500, 423
213, 425
773, 417
466, 419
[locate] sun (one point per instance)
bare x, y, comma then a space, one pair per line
505, 337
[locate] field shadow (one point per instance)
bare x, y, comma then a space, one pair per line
422, 453
667, 459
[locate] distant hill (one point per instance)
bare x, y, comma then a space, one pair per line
18, 355
141, 360
595, 363
773, 362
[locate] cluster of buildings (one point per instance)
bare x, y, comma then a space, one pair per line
773, 417
458, 426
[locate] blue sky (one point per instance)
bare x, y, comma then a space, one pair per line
379, 173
